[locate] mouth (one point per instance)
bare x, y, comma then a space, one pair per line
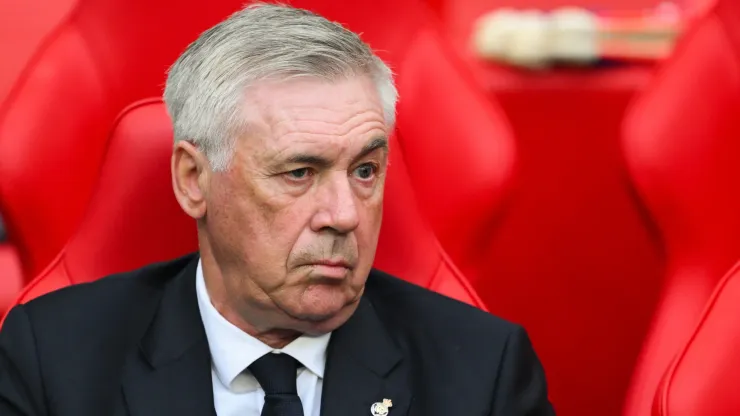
332, 269
332, 263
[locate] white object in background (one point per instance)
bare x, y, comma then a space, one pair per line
518, 38
493, 32
534, 39
530, 44
574, 36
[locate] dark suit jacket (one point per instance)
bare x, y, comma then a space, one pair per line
134, 344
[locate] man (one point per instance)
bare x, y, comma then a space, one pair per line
281, 122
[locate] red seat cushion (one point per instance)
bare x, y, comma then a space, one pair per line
705, 376
133, 218
682, 148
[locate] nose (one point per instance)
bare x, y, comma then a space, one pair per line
337, 205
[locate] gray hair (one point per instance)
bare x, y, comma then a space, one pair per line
207, 85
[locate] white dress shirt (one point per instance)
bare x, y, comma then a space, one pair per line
235, 391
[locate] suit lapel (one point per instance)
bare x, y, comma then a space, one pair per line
171, 374
364, 366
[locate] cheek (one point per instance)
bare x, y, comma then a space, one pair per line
224, 218
374, 207
371, 216
282, 232
264, 214
249, 225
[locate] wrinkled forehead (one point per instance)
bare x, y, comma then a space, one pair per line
300, 110
331, 101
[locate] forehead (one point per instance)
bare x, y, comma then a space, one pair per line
309, 106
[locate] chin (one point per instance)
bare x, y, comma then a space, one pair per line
320, 308
325, 317
323, 326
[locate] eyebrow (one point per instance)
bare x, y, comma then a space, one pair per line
321, 162
373, 145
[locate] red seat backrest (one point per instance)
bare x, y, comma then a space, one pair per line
133, 218
704, 378
24, 26
459, 149
682, 148
105, 55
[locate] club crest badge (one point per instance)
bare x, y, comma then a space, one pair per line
381, 408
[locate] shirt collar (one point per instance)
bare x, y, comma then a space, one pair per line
233, 350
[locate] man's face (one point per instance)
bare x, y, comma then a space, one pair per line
294, 222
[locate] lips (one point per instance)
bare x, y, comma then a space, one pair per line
331, 263
330, 269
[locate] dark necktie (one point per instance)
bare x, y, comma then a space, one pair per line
276, 373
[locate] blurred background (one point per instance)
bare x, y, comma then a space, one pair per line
578, 161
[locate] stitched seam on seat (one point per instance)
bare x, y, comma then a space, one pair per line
106, 150
38, 279
20, 84
666, 390
33, 61
458, 276
59, 260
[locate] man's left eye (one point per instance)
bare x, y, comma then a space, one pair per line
366, 171
299, 173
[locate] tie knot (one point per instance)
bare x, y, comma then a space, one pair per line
276, 373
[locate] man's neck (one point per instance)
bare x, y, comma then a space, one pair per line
217, 293
275, 338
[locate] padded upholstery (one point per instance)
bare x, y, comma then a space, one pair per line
704, 378
133, 218
103, 56
24, 26
682, 147
571, 247
11, 276
462, 163
109, 53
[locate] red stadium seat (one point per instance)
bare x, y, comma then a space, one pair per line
110, 53
682, 147
10, 269
704, 377
101, 57
24, 27
462, 163
572, 247
133, 218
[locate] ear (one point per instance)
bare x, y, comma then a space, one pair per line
190, 171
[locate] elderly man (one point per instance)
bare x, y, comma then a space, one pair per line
281, 122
